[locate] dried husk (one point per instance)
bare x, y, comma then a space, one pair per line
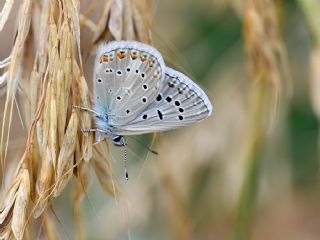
7, 204
66, 156
86, 123
44, 184
19, 215
115, 22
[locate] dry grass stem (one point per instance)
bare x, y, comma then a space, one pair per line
45, 64
268, 67
265, 51
4, 14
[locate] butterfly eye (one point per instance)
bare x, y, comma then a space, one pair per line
145, 116
177, 103
181, 110
180, 118
144, 100
99, 80
145, 86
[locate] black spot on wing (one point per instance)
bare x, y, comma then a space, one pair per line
160, 114
159, 98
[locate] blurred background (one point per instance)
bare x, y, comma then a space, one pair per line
251, 171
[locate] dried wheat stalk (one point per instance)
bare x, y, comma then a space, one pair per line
46, 64
268, 67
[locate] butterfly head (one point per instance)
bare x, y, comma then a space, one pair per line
118, 141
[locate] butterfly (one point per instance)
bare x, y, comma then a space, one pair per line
136, 93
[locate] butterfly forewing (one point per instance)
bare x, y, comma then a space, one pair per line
126, 80
180, 102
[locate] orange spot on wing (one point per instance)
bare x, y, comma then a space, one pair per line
105, 59
151, 63
121, 55
134, 56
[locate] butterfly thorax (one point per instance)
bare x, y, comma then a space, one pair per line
103, 123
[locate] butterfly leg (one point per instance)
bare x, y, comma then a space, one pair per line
99, 139
86, 131
88, 110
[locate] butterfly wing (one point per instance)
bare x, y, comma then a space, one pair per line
180, 102
126, 80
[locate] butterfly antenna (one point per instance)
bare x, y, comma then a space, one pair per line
148, 148
125, 162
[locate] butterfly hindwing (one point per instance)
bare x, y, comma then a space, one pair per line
126, 80
180, 102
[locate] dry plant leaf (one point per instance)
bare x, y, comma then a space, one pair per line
13, 79
4, 14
